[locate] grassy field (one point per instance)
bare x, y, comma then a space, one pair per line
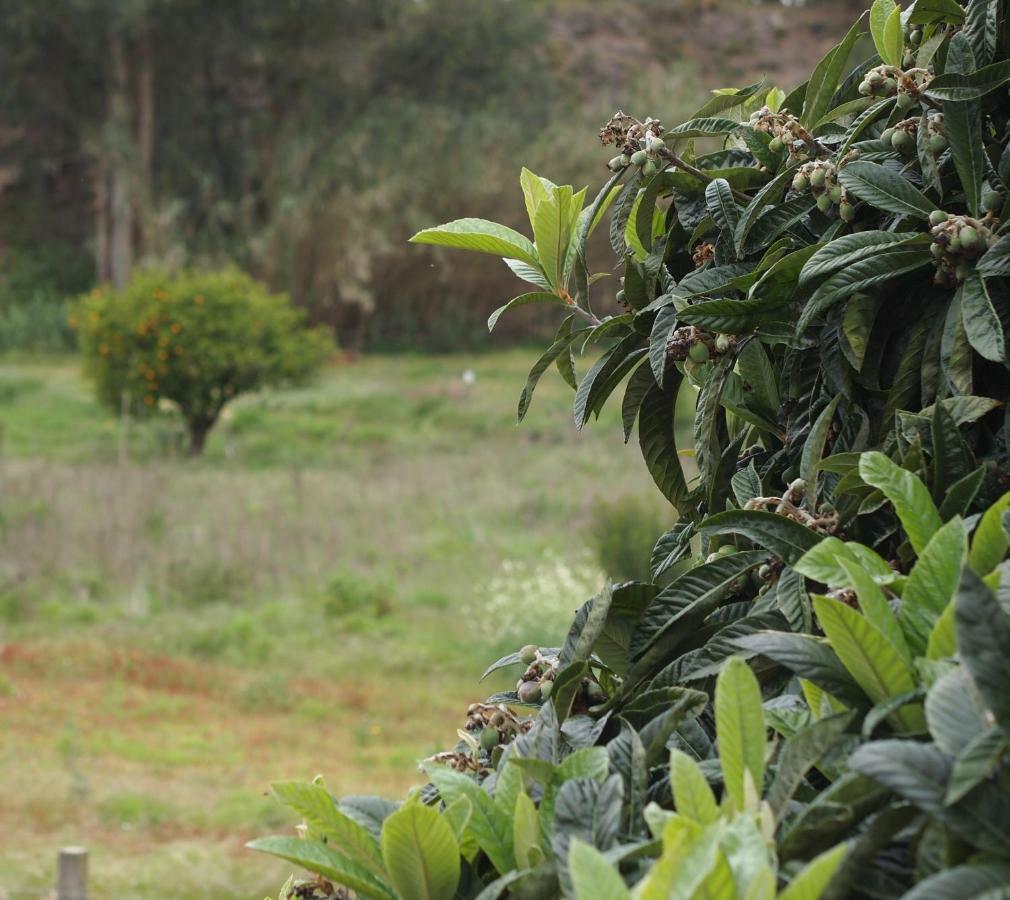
318, 595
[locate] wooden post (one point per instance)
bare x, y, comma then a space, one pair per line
72, 874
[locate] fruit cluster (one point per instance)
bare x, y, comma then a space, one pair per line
821, 177
493, 724
890, 81
785, 130
959, 240
537, 681
694, 348
640, 143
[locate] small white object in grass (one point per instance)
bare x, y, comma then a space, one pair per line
469, 377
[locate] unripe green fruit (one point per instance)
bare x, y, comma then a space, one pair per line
619, 296
639, 158
528, 654
908, 60
901, 141
800, 183
529, 692
874, 79
625, 159
496, 756
905, 101
915, 38
649, 169
616, 164
726, 550
886, 135
594, 693
824, 203
936, 250
723, 342
889, 87
775, 145
545, 689
954, 244
846, 211
699, 353
936, 143
992, 201
656, 144
835, 193
937, 216
489, 737
865, 88
960, 271
765, 572
969, 237
817, 178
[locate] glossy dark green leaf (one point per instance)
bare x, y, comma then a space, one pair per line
824, 80
982, 324
566, 337
884, 189
787, 539
657, 439
983, 639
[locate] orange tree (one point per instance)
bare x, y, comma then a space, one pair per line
196, 339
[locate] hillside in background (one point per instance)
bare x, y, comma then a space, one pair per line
306, 142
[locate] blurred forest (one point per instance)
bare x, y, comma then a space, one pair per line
305, 140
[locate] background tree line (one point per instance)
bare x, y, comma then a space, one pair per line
305, 141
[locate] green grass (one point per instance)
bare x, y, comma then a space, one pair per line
179, 633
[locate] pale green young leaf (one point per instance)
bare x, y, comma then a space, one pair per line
526, 833
740, 728
692, 795
326, 820
552, 231
893, 39
880, 14
535, 191
868, 656
823, 563
877, 608
812, 880
990, 542
593, 877
482, 236
943, 638
421, 853
326, 861
909, 496
932, 583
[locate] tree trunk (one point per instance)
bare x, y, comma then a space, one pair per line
198, 432
145, 137
120, 208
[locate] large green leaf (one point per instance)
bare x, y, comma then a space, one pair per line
801, 753
870, 658
962, 120
525, 300
884, 189
850, 248
482, 236
923, 12
559, 349
708, 126
552, 229
326, 861
995, 260
981, 322
973, 881
658, 440
909, 496
953, 86
823, 562
824, 80
421, 853
740, 730
983, 638
785, 538
876, 607
696, 592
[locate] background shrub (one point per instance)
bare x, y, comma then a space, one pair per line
197, 340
